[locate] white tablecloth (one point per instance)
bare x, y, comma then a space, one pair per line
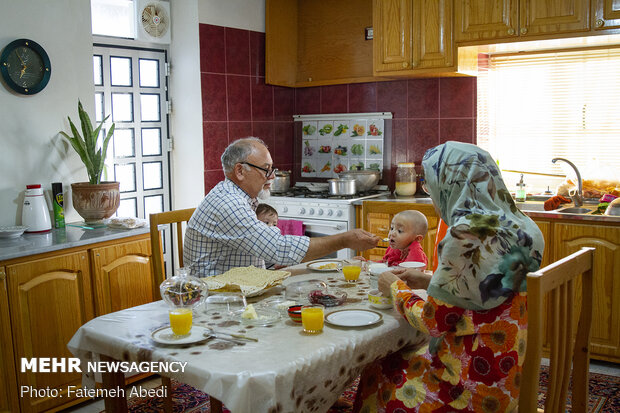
285, 371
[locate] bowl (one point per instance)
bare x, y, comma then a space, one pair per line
364, 180
377, 268
413, 264
332, 298
294, 313
377, 300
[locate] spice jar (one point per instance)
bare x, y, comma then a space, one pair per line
405, 179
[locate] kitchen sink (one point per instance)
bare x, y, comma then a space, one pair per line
575, 210
530, 206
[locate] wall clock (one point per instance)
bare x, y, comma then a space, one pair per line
25, 66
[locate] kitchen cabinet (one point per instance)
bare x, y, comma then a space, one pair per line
313, 42
8, 381
492, 21
377, 216
606, 15
46, 297
122, 276
49, 300
413, 36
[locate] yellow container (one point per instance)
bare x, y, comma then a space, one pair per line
405, 179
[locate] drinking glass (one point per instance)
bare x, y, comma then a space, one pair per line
350, 270
180, 320
312, 317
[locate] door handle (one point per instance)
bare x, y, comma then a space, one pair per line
335, 226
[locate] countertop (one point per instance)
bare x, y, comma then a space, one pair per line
533, 209
58, 239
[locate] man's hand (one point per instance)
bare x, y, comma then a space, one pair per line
361, 240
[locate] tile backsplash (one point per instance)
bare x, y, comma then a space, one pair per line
236, 103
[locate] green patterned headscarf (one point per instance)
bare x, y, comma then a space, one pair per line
490, 245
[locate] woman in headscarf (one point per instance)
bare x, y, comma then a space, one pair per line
475, 313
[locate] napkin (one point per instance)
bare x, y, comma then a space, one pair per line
291, 227
555, 202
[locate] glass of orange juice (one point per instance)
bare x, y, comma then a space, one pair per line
312, 318
180, 320
351, 270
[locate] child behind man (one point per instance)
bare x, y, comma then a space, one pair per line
267, 214
407, 231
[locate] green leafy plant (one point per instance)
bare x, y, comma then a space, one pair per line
86, 144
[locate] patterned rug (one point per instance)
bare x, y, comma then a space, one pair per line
604, 397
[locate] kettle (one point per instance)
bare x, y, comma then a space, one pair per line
35, 214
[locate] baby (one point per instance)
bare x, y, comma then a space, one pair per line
267, 214
407, 231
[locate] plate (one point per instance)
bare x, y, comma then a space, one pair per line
12, 231
353, 318
266, 317
412, 264
316, 265
165, 335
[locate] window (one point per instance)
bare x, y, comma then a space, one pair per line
537, 106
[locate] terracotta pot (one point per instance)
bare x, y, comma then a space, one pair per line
94, 202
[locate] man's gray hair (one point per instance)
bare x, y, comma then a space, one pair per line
239, 151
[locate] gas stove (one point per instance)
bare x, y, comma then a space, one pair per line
321, 192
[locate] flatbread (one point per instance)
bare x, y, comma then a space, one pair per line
250, 280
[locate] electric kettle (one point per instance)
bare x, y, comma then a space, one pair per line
35, 214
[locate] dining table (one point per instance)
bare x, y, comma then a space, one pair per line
285, 370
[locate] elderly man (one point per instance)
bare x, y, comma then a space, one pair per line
224, 232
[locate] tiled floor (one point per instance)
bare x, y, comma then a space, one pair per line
97, 406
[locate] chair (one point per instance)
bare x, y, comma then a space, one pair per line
162, 218
559, 280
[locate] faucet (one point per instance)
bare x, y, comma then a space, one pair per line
577, 197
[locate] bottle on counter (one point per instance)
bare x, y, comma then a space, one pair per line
520, 194
35, 214
405, 179
59, 205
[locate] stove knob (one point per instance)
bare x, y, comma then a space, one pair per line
330, 213
320, 211
311, 211
302, 211
284, 209
339, 213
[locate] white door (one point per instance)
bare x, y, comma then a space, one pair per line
131, 87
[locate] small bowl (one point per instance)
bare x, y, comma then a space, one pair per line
294, 312
377, 268
413, 264
331, 298
379, 301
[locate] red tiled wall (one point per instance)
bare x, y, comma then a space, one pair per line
236, 103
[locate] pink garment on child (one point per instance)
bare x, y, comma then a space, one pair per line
414, 253
291, 227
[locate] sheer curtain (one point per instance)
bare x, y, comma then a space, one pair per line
533, 107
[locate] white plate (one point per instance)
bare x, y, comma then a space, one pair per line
412, 264
315, 265
265, 317
165, 335
12, 231
353, 318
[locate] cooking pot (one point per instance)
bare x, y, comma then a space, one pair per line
364, 180
342, 186
281, 182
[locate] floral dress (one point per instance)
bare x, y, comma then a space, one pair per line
477, 367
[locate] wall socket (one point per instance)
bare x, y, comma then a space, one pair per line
368, 33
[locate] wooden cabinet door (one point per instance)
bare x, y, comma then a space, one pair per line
480, 20
8, 381
539, 17
433, 40
606, 14
605, 342
545, 228
123, 276
49, 300
392, 31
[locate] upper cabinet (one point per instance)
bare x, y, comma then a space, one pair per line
314, 42
493, 21
606, 15
413, 36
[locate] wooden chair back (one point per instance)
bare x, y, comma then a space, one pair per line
171, 217
560, 281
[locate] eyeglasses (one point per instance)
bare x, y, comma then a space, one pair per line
268, 172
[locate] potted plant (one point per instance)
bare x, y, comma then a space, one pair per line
93, 200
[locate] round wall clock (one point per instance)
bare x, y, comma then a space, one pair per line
25, 66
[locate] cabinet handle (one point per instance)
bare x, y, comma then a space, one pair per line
309, 79
382, 229
405, 64
523, 30
2, 275
511, 31
600, 23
